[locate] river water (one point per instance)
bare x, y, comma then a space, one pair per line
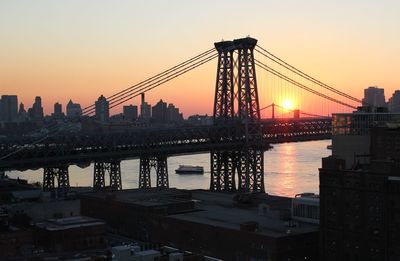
290, 168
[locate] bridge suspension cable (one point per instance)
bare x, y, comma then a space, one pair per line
188, 63
306, 76
302, 86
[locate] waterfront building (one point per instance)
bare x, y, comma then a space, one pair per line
102, 109
360, 201
351, 134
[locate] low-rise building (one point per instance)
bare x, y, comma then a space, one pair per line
223, 225
72, 233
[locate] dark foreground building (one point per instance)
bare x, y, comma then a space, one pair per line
360, 207
70, 234
227, 226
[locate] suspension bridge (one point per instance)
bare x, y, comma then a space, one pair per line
236, 141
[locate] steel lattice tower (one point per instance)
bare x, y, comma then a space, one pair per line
236, 84
114, 170
161, 166
62, 176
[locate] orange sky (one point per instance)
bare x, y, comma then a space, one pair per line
81, 49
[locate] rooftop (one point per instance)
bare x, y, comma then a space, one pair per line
69, 223
220, 209
227, 210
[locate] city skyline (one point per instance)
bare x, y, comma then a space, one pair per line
116, 46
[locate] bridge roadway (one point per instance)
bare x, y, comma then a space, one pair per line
83, 149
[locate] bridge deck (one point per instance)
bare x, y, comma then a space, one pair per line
83, 149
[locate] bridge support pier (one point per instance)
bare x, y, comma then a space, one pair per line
161, 166
62, 176
114, 170
223, 166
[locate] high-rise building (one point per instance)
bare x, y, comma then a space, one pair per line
74, 110
102, 109
57, 111
36, 112
22, 114
360, 206
145, 109
9, 108
130, 112
394, 102
159, 112
374, 97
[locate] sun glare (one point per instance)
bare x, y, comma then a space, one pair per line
287, 104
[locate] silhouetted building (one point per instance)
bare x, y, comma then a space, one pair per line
22, 114
57, 111
130, 112
145, 109
159, 112
9, 108
200, 120
374, 97
72, 233
360, 206
173, 114
360, 209
394, 102
74, 110
36, 112
102, 109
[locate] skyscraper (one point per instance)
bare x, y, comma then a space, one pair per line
36, 112
102, 109
9, 108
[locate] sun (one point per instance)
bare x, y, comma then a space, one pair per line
287, 104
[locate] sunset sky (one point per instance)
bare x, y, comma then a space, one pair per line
80, 49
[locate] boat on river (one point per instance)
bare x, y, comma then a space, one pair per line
189, 169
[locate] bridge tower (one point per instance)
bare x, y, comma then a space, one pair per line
159, 163
114, 170
236, 104
61, 174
